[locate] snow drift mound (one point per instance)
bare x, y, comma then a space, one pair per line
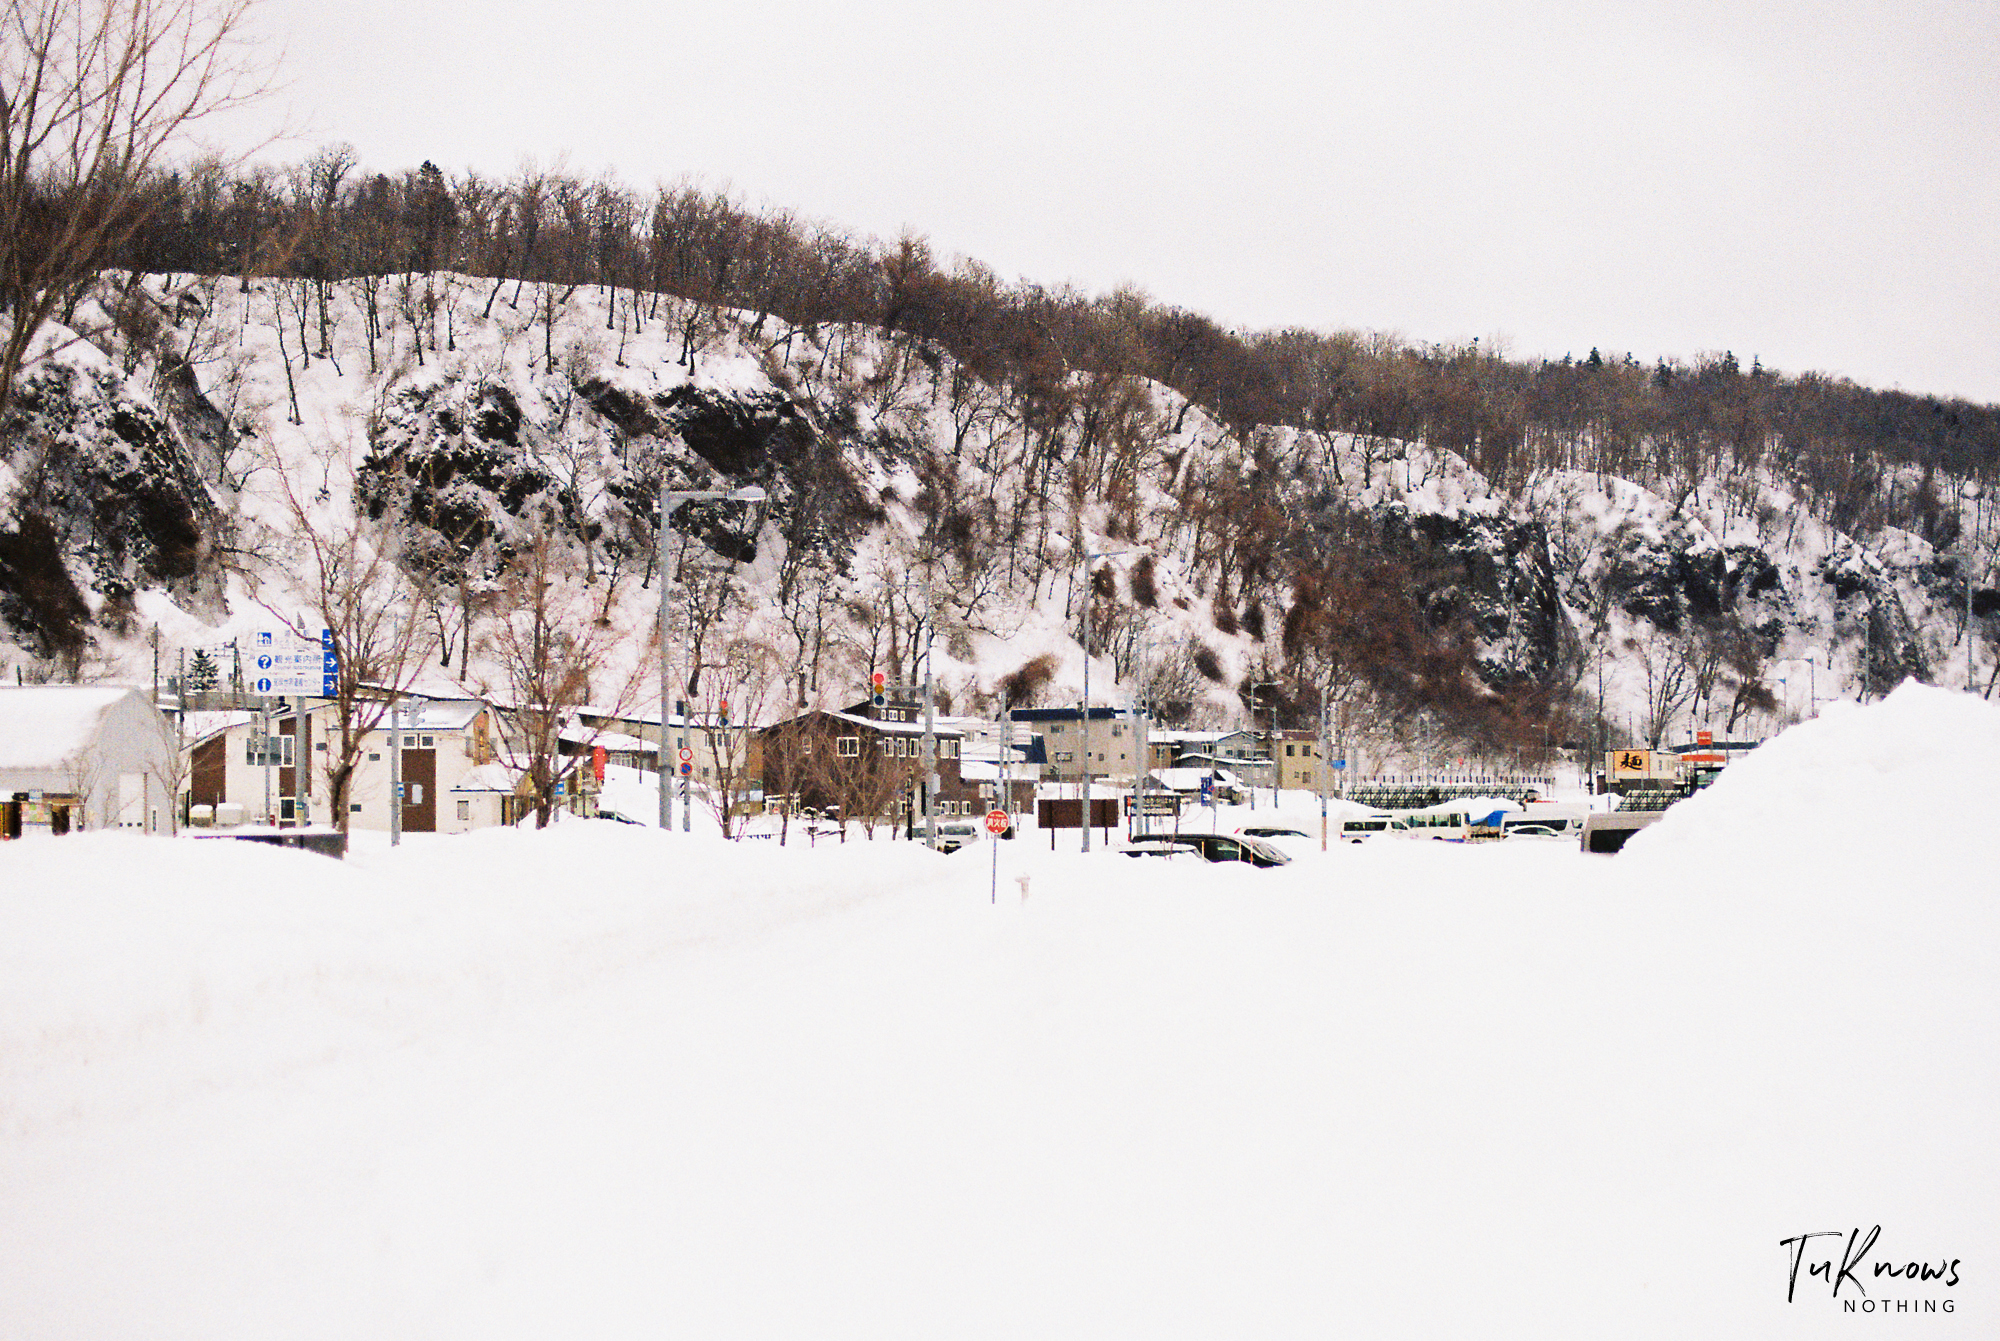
1913, 779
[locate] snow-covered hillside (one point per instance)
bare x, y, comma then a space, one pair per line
479, 414
603, 1082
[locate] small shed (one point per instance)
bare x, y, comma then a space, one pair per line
84, 757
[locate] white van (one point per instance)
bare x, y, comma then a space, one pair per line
1361, 828
1546, 819
955, 834
1442, 823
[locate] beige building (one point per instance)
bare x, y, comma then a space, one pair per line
1112, 743
443, 742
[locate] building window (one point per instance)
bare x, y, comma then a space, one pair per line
847, 746
1288, 751
261, 750
1062, 756
464, 812
427, 743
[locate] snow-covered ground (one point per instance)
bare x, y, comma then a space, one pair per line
603, 1082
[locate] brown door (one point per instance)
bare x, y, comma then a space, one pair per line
420, 813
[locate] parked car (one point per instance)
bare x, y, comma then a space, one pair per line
1362, 828
1209, 847
1537, 831
1293, 842
953, 834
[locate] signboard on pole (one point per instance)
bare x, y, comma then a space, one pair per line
997, 822
283, 666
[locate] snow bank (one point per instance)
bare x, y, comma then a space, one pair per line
600, 1081
1909, 783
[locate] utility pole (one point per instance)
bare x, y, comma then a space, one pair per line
1276, 777
1142, 729
670, 500
930, 722
1325, 764
395, 771
264, 750
1088, 559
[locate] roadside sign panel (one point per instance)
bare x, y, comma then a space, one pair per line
283, 665
996, 822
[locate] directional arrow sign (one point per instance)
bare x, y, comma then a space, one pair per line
290, 667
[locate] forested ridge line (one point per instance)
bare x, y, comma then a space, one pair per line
1668, 425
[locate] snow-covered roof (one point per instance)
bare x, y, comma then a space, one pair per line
439, 715
986, 770
46, 726
609, 740
488, 778
199, 726
890, 728
1189, 779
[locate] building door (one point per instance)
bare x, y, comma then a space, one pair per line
420, 791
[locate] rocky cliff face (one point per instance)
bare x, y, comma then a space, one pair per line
117, 482
110, 494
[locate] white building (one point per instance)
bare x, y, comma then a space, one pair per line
443, 741
84, 757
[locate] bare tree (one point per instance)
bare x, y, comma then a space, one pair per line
552, 657
93, 94
1669, 667
744, 682
347, 566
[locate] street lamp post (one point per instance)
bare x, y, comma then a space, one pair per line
1088, 559
670, 500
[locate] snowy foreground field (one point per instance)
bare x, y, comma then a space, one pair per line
601, 1082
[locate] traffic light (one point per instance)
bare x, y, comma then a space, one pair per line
881, 684
725, 712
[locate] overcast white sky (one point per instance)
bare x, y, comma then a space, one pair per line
1814, 184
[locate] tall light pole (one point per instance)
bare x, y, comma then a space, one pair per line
1089, 558
670, 500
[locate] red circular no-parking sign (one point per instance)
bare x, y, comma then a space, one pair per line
996, 822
